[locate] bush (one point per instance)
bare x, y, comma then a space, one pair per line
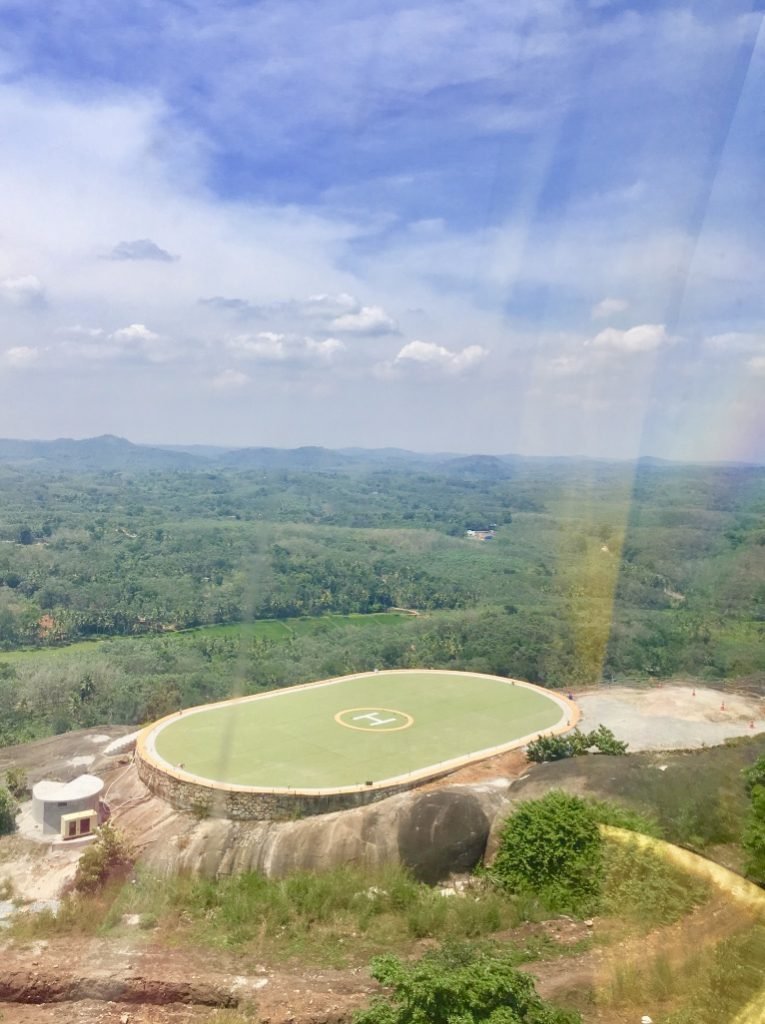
16, 783
8, 812
574, 744
459, 984
753, 838
553, 848
109, 858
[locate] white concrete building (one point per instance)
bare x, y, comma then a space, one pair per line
68, 809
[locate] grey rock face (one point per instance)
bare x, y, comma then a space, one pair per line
434, 833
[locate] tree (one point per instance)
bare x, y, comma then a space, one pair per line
459, 984
552, 847
24, 535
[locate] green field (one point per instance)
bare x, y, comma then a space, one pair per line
392, 723
276, 630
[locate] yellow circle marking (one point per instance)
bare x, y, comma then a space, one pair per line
373, 711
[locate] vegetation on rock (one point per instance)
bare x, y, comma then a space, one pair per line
574, 744
109, 858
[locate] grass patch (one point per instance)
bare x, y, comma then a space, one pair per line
608, 812
275, 630
684, 986
337, 918
641, 888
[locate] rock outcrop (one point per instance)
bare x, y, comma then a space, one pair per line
435, 833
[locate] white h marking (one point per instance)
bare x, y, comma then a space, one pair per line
374, 718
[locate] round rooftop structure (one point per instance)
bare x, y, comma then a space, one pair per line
70, 809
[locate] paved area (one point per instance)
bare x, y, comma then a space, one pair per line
672, 717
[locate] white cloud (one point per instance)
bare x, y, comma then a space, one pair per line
137, 340
429, 354
757, 365
141, 249
326, 349
134, 334
22, 355
134, 343
642, 338
77, 330
608, 307
265, 345
565, 365
271, 347
736, 341
329, 306
229, 380
23, 291
340, 312
368, 320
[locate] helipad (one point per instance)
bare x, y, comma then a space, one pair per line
375, 731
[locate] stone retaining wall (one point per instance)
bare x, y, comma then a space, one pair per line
246, 804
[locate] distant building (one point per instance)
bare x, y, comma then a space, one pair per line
69, 809
480, 534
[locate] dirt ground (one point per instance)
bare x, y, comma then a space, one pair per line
135, 979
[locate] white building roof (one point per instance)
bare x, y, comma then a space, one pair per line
81, 788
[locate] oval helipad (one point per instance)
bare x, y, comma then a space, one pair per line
371, 729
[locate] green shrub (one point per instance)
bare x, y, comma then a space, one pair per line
552, 847
574, 744
605, 742
459, 984
16, 783
549, 748
753, 838
8, 812
108, 858
754, 775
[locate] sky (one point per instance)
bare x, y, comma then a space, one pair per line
470, 226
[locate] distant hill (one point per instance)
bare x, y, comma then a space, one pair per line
306, 458
110, 454
93, 454
487, 467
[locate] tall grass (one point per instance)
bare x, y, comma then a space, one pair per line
335, 917
683, 986
641, 888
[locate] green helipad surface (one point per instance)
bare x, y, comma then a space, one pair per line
354, 730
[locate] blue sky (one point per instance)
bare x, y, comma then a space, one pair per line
474, 226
